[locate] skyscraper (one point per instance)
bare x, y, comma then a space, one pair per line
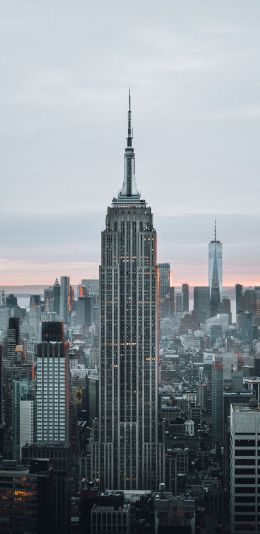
201, 303
52, 387
215, 274
185, 297
244, 467
128, 448
217, 399
164, 269
64, 298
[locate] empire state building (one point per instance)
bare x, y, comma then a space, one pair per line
127, 454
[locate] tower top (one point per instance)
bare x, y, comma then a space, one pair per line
129, 192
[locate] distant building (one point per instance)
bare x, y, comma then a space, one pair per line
11, 301
185, 297
201, 303
178, 302
64, 298
239, 299
164, 287
91, 285
56, 297
215, 274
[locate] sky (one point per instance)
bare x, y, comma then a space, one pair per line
194, 73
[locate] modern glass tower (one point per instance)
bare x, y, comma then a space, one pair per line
215, 274
127, 454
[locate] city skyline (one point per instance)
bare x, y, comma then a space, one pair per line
195, 85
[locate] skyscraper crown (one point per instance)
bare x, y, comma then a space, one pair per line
129, 192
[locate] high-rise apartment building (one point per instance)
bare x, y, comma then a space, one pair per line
52, 388
244, 468
215, 274
128, 448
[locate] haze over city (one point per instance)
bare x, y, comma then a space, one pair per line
194, 74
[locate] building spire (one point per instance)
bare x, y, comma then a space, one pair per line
129, 191
130, 131
215, 229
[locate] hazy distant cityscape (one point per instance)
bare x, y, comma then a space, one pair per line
129, 404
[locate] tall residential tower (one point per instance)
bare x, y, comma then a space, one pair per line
128, 455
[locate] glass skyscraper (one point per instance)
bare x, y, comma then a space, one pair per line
127, 454
215, 274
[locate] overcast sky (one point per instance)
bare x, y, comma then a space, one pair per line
194, 71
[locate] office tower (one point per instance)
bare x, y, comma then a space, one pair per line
201, 303
2, 297
52, 388
244, 477
13, 338
56, 297
245, 326
215, 274
91, 285
128, 407
164, 287
178, 302
4, 318
225, 307
185, 297
239, 299
11, 301
64, 298
257, 298
81, 311
170, 303
35, 317
164, 273
217, 399
92, 397
249, 301
23, 415
48, 299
